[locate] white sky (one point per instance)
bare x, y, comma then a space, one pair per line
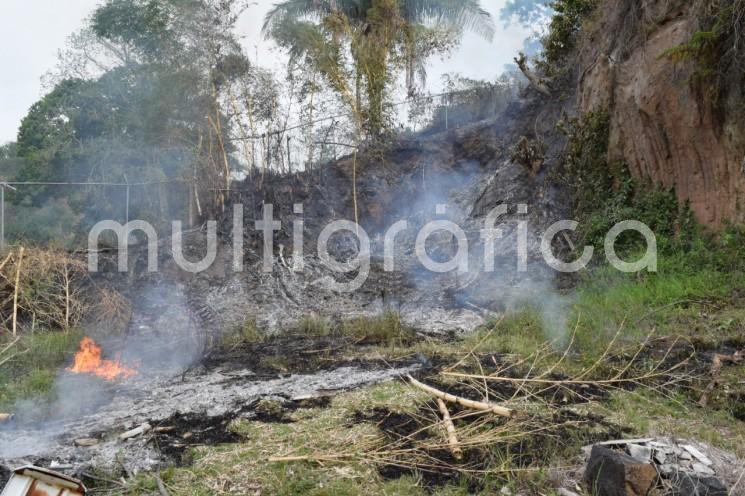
34, 30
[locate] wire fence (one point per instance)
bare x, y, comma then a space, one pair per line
62, 212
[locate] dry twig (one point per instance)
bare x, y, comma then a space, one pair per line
716, 373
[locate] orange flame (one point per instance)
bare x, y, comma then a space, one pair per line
88, 361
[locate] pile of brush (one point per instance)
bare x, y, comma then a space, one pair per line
51, 289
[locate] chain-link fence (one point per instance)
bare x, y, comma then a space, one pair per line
62, 213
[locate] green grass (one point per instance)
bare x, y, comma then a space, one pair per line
386, 329
641, 303
38, 358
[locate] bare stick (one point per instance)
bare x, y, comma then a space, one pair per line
10, 345
470, 404
450, 429
15, 291
161, 486
2, 265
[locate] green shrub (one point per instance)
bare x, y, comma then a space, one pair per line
603, 193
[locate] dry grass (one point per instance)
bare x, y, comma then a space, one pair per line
51, 289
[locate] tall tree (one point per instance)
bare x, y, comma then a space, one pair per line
147, 108
381, 36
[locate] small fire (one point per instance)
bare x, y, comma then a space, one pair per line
88, 361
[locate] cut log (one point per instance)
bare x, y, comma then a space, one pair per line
453, 443
6, 417
466, 403
137, 431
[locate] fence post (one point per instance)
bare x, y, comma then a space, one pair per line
3, 185
447, 106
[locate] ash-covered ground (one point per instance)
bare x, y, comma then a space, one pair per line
179, 316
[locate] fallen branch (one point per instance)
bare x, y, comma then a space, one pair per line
470, 404
716, 373
450, 429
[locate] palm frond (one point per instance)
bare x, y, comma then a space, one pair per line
459, 14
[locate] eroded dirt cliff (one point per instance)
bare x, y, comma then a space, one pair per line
662, 123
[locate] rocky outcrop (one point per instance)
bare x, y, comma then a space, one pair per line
661, 124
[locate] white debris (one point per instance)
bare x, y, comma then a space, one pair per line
698, 455
639, 453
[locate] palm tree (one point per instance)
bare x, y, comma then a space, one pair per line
379, 35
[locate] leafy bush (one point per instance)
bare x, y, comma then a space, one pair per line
603, 193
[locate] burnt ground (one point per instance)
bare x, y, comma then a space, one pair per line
194, 408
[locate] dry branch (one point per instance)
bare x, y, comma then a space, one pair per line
470, 404
15, 290
538, 82
716, 373
450, 429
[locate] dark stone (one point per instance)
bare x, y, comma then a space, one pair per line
685, 484
5, 474
613, 473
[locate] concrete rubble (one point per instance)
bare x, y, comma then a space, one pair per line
638, 466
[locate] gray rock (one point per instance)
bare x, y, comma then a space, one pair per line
686, 484
702, 469
639, 453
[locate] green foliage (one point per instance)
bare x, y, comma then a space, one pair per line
604, 194
717, 48
151, 115
564, 28
54, 223
134, 23
381, 36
